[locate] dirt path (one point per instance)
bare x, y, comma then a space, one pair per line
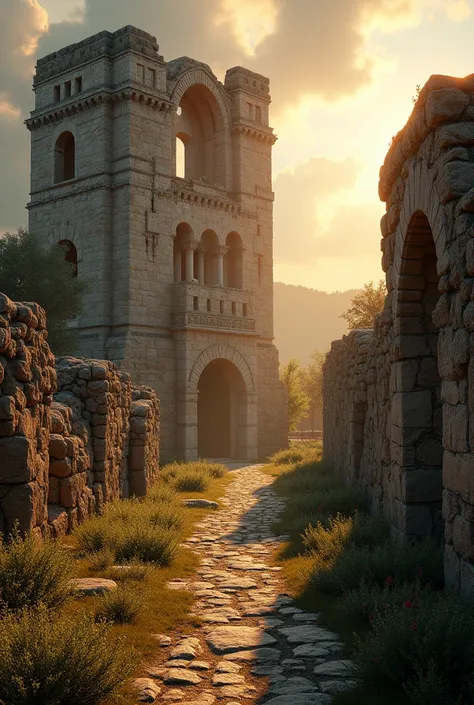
254, 646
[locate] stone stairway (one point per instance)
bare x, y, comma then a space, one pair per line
254, 645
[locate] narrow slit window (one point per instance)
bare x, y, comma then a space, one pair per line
78, 84
245, 310
196, 303
209, 308
57, 94
67, 89
234, 308
221, 306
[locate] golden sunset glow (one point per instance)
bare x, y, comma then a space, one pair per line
342, 79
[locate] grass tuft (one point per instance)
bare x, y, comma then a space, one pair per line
49, 659
121, 606
33, 573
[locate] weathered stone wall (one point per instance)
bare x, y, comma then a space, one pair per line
144, 454
63, 457
399, 403
27, 383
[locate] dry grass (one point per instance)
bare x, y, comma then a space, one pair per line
162, 610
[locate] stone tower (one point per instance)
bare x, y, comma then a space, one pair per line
156, 179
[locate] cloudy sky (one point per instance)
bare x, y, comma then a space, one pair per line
342, 72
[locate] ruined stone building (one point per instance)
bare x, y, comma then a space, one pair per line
156, 178
399, 399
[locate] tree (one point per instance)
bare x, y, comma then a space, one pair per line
31, 272
298, 401
365, 306
313, 383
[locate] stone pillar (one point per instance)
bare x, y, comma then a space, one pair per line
177, 265
189, 249
200, 272
221, 251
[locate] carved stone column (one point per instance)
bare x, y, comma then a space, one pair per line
201, 255
189, 248
220, 253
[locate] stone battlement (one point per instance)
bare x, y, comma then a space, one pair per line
104, 43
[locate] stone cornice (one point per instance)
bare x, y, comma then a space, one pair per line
261, 134
187, 193
55, 113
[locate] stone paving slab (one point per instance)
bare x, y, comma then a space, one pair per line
254, 645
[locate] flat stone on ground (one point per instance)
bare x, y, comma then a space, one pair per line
85, 587
333, 668
225, 639
307, 633
148, 690
181, 676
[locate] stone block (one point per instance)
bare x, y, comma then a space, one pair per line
454, 180
71, 489
57, 446
412, 409
444, 105
455, 428
18, 460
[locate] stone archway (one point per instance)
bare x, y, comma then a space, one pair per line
219, 381
221, 411
416, 433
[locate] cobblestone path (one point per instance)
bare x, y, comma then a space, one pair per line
254, 645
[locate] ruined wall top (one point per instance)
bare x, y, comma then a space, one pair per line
443, 99
103, 43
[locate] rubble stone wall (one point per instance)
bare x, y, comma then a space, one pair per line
399, 401
74, 433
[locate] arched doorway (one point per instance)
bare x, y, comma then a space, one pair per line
416, 441
222, 411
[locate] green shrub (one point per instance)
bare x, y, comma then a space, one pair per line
167, 516
290, 456
141, 541
101, 560
33, 573
121, 606
397, 562
94, 534
216, 470
54, 660
192, 481
370, 599
423, 651
328, 539
161, 493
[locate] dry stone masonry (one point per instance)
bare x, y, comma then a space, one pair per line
254, 645
156, 177
399, 399
74, 433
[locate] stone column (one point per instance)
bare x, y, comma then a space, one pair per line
200, 272
189, 249
177, 265
220, 253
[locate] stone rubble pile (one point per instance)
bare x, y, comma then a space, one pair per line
254, 645
74, 433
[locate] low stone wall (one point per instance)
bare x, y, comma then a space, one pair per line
74, 433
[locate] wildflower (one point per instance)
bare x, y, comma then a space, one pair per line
414, 626
408, 604
389, 581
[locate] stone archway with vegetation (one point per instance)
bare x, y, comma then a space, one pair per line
399, 398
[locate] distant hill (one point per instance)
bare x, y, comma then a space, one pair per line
307, 319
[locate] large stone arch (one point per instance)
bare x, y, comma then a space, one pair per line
223, 352
418, 363
199, 75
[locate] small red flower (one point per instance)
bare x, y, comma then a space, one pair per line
389, 581
414, 626
408, 604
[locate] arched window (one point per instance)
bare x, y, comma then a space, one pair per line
181, 156
209, 244
70, 254
201, 133
64, 158
183, 261
233, 262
